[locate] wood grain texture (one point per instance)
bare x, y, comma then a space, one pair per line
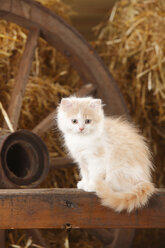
72, 208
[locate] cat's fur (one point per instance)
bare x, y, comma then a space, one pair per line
113, 157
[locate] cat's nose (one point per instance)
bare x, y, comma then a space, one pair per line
81, 128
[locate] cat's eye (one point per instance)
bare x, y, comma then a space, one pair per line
74, 121
87, 121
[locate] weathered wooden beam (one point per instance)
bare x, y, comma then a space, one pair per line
72, 208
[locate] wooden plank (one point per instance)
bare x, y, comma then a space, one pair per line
22, 77
48, 122
60, 208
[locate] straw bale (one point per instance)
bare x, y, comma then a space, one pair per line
131, 42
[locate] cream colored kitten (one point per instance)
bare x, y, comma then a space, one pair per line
113, 158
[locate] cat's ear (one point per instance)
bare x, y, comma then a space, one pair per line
66, 104
95, 103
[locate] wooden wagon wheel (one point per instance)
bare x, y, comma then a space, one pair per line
42, 22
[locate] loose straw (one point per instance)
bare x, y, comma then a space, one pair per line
6, 117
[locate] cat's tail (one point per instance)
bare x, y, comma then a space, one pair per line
137, 196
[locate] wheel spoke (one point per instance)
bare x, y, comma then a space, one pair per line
61, 162
85, 90
22, 78
47, 122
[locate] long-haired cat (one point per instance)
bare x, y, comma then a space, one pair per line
113, 157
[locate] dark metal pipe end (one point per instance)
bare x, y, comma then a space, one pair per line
24, 160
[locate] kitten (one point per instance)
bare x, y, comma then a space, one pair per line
112, 156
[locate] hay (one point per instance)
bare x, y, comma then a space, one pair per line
51, 78
131, 42
12, 41
51, 75
6, 118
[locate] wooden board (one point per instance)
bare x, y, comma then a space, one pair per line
72, 208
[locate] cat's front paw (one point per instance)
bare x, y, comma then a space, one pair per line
89, 188
85, 186
81, 185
